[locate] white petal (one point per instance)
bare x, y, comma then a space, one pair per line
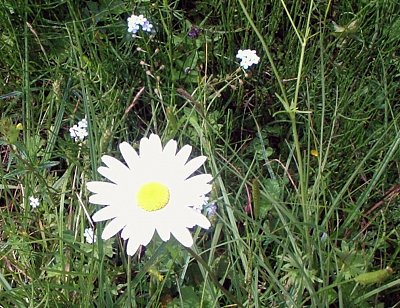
101, 187
132, 246
120, 197
112, 162
200, 179
133, 228
198, 184
100, 199
183, 236
116, 172
146, 234
113, 227
170, 149
184, 154
154, 138
109, 193
150, 147
192, 165
190, 218
202, 221
105, 213
142, 230
129, 154
128, 231
163, 231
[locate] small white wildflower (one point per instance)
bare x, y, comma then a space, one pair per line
248, 57
34, 202
134, 29
147, 26
79, 131
133, 26
89, 236
211, 210
83, 123
135, 22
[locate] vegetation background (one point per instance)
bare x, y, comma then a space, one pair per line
303, 147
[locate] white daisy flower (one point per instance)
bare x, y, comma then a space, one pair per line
89, 236
153, 191
248, 57
34, 202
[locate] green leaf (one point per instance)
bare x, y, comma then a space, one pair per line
374, 277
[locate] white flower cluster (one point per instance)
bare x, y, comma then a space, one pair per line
135, 22
89, 236
34, 202
248, 57
79, 131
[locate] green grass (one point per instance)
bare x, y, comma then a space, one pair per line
327, 82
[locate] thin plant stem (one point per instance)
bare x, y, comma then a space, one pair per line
214, 279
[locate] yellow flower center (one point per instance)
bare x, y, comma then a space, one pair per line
152, 196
